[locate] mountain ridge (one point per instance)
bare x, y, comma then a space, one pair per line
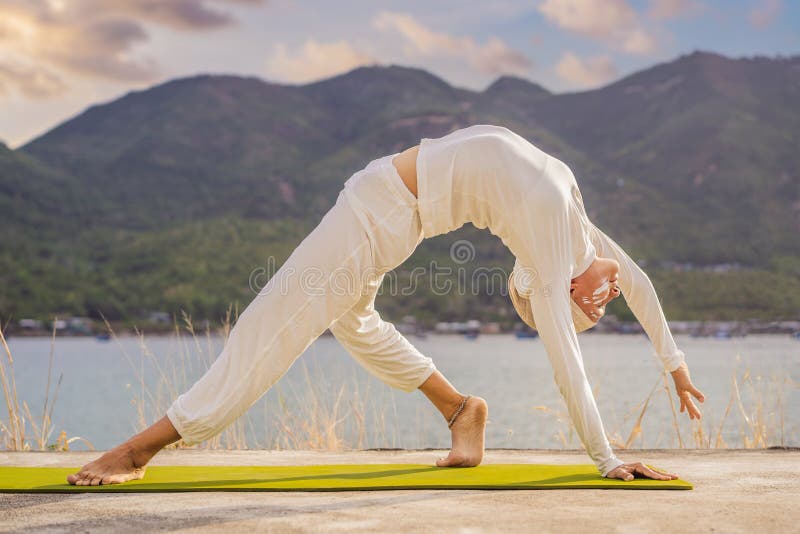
707, 139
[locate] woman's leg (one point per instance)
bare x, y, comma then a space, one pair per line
321, 280
469, 428
388, 355
391, 212
377, 345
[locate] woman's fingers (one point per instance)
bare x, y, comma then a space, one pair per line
621, 473
651, 473
690, 407
694, 412
686, 402
628, 472
697, 394
694, 409
672, 476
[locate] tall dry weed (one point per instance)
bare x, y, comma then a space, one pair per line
14, 433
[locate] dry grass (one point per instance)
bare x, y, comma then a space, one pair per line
759, 403
14, 434
317, 415
196, 352
304, 417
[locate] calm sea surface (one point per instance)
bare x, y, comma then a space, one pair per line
104, 383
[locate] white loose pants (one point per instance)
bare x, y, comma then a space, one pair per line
329, 281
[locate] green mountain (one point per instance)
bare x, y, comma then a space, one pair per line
172, 197
719, 138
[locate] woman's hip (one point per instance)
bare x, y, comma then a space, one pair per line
387, 210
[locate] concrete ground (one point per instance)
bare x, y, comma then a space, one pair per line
735, 491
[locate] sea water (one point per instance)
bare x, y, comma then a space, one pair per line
326, 393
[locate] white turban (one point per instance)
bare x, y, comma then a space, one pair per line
522, 304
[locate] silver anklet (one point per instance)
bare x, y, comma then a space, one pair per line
458, 411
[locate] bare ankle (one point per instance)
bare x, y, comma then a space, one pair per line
462, 405
452, 407
139, 456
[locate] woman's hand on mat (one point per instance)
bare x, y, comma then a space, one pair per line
638, 469
686, 390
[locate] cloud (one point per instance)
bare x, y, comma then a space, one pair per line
586, 73
638, 41
601, 19
177, 14
31, 82
494, 57
613, 22
764, 14
99, 49
315, 60
673, 9
44, 41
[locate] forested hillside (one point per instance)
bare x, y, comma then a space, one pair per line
169, 198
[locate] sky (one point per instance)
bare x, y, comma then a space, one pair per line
58, 57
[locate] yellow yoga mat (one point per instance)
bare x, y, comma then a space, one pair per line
333, 478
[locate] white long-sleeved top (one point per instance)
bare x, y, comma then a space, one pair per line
496, 179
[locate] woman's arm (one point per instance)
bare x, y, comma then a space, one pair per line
551, 312
548, 248
642, 299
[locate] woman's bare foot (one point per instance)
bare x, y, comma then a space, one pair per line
127, 461
114, 467
468, 435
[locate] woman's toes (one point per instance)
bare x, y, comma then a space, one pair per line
453, 460
116, 479
444, 462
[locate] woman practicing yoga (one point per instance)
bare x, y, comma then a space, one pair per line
566, 271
